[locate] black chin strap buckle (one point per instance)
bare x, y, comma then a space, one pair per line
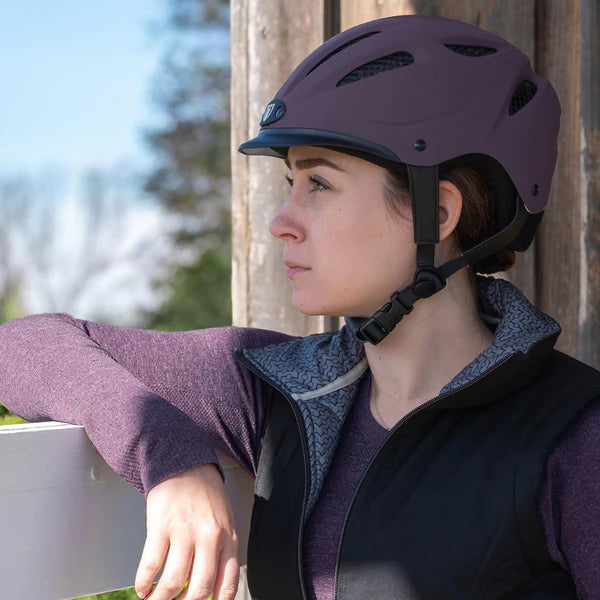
384, 320
427, 281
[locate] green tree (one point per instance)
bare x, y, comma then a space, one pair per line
199, 294
192, 179
10, 304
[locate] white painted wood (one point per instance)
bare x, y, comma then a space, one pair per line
71, 526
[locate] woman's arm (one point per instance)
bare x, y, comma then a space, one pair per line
156, 405
570, 502
153, 403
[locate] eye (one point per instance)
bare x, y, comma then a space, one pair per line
317, 184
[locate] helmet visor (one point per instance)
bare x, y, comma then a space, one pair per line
276, 141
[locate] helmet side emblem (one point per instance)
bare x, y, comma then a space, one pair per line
273, 112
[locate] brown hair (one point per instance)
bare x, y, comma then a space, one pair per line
478, 218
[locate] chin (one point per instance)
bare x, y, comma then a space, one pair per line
314, 311
337, 309
309, 306
324, 309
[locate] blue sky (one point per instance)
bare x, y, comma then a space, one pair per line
76, 80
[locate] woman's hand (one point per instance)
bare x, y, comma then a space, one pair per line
190, 528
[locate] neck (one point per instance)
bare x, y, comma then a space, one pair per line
442, 335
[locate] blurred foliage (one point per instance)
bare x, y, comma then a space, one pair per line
192, 90
12, 198
10, 303
10, 308
199, 295
192, 179
7, 418
128, 594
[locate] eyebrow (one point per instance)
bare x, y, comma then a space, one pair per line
307, 163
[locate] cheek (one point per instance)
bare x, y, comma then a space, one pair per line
376, 240
366, 263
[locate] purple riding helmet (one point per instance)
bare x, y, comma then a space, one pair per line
422, 95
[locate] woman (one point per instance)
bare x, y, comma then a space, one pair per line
435, 447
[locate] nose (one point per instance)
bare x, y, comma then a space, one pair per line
286, 225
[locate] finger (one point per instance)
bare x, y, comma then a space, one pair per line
203, 575
187, 589
228, 577
153, 556
175, 573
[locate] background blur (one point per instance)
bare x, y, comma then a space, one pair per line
114, 160
114, 163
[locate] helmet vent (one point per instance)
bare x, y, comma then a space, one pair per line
342, 47
379, 65
524, 93
474, 51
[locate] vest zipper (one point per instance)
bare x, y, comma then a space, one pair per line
399, 424
304, 443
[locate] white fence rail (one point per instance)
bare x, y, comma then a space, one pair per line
70, 526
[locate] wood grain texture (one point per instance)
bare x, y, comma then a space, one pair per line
354, 12
589, 310
268, 40
559, 264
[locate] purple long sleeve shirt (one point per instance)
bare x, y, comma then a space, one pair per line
155, 404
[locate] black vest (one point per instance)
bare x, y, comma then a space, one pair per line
448, 507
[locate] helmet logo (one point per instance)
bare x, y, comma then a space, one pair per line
274, 111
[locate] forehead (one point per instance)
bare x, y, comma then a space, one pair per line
310, 156
300, 152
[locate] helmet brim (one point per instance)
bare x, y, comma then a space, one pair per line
276, 141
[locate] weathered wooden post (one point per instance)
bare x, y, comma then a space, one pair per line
268, 39
568, 262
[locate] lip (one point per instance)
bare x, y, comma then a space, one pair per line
294, 268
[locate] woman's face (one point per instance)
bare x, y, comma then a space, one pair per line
345, 253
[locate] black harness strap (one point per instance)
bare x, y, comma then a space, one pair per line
428, 280
491, 245
424, 196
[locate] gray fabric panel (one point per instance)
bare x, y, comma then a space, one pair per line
323, 419
306, 364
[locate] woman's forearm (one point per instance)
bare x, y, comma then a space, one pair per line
153, 403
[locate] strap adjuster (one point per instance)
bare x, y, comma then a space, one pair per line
383, 321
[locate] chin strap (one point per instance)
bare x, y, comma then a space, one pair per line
428, 279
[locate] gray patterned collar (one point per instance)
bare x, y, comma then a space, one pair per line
520, 326
313, 366
321, 372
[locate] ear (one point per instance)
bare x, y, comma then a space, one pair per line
450, 208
